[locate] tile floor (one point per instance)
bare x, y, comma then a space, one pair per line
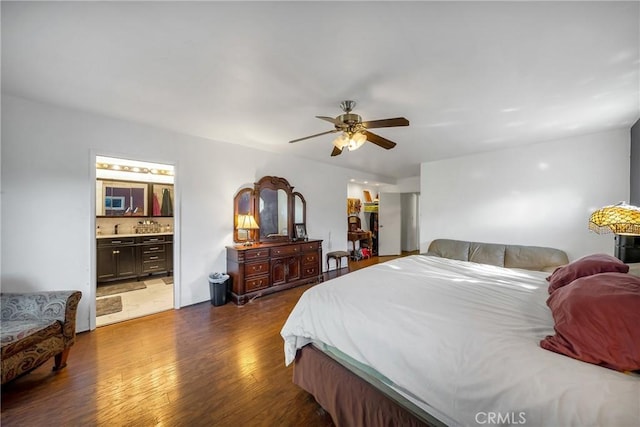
156, 297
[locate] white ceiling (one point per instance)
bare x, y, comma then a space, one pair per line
470, 76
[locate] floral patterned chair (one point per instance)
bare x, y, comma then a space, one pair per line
36, 327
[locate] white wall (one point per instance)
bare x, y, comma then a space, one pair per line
541, 194
404, 185
409, 222
48, 182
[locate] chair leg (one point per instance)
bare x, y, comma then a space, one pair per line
61, 359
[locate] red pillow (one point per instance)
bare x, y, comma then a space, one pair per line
585, 266
597, 320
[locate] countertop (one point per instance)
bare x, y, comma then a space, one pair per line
115, 236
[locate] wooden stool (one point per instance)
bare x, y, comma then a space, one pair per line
337, 255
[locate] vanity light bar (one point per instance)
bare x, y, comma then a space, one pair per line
115, 167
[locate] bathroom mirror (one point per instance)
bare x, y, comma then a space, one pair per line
121, 198
275, 208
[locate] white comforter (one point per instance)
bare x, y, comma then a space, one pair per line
461, 340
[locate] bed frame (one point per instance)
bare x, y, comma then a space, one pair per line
350, 399
354, 399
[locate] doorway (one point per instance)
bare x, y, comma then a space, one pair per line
399, 223
391, 217
410, 223
134, 239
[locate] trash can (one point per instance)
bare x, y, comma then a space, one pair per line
218, 288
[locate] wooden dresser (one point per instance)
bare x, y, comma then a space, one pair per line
265, 268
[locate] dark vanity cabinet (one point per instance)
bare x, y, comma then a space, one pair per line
133, 257
154, 251
168, 246
116, 259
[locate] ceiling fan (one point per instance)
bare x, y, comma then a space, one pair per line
354, 131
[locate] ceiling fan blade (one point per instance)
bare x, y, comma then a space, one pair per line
336, 151
330, 120
313, 136
379, 141
386, 123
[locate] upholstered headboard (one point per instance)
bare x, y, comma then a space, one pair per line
510, 256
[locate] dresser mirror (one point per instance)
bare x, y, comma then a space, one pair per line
273, 213
299, 209
242, 205
275, 207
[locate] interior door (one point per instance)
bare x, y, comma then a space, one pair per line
389, 222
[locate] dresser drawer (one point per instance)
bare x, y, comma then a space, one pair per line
285, 250
256, 268
256, 254
309, 271
311, 246
256, 283
310, 258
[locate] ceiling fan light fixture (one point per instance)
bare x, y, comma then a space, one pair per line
354, 132
350, 140
356, 141
341, 141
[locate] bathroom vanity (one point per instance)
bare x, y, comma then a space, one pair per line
133, 256
134, 223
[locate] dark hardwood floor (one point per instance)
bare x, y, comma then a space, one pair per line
200, 365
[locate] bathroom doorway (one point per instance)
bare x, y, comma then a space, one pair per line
134, 239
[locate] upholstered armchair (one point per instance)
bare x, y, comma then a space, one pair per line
36, 327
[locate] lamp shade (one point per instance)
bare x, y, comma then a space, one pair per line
247, 222
619, 219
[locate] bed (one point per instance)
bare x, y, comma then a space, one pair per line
429, 340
